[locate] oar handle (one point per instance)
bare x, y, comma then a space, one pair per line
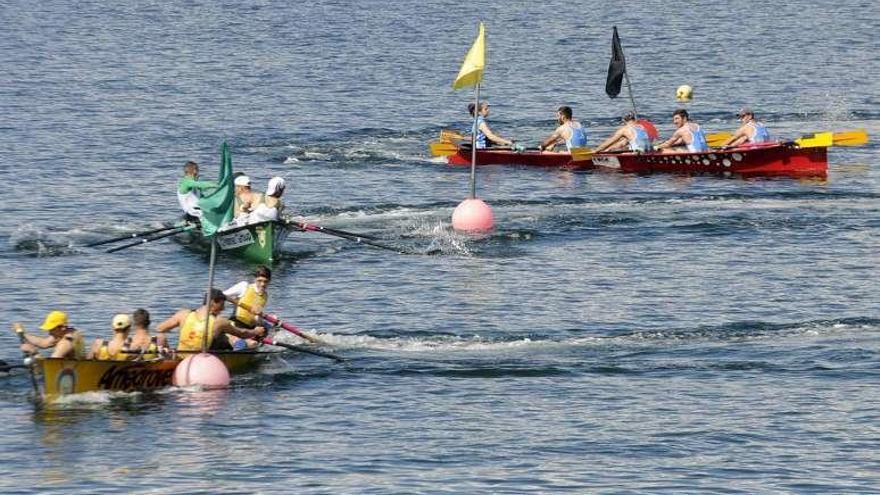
28, 359
276, 321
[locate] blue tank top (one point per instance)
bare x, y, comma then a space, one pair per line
481, 138
761, 134
698, 139
578, 137
641, 142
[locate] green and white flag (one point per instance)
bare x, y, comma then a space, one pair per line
217, 206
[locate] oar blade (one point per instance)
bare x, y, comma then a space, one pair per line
581, 154
440, 148
450, 136
717, 139
816, 140
856, 137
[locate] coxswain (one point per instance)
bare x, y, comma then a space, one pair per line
750, 132
688, 137
192, 324
252, 298
570, 132
189, 191
632, 136
64, 340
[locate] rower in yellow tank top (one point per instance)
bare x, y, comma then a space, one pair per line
64, 340
250, 300
192, 326
115, 348
193, 330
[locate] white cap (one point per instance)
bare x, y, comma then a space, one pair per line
121, 322
275, 187
243, 180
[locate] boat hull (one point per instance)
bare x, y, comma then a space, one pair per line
768, 159
508, 157
73, 376
257, 243
761, 160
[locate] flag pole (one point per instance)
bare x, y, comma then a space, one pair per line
474, 142
630, 91
211, 266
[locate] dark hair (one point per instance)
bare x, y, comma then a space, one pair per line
217, 295
190, 166
471, 108
682, 112
565, 110
629, 116
263, 271
141, 317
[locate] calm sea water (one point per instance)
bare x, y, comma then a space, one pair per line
614, 334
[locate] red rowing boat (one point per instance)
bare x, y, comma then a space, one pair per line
765, 159
761, 159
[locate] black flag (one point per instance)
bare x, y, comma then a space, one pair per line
617, 67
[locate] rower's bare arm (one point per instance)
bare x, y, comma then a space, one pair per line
740, 136
495, 138
62, 349
175, 321
612, 141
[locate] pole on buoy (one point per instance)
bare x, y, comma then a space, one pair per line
472, 214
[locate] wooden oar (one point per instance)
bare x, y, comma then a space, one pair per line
28, 359
6, 367
450, 136
856, 137
178, 230
132, 236
276, 321
299, 348
581, 154
442, 148
716, 139
350, 236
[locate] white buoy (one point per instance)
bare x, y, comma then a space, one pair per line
201, 369
473, 215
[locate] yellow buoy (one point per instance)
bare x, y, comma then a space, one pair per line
684, 93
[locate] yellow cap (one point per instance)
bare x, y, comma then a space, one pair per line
54, 320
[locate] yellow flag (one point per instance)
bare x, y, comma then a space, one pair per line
471, 72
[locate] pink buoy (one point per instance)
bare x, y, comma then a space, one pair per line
201, 369
473, 215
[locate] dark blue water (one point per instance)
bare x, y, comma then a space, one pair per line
614, 334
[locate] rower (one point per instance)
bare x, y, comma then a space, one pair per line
192, 326
272, 205
689, 137
631, 136
65, 341
117, 347
484, 135
246, 200
570, 132
750, 132
254, 296
189, 190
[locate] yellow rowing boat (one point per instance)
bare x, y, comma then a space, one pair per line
73, 376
